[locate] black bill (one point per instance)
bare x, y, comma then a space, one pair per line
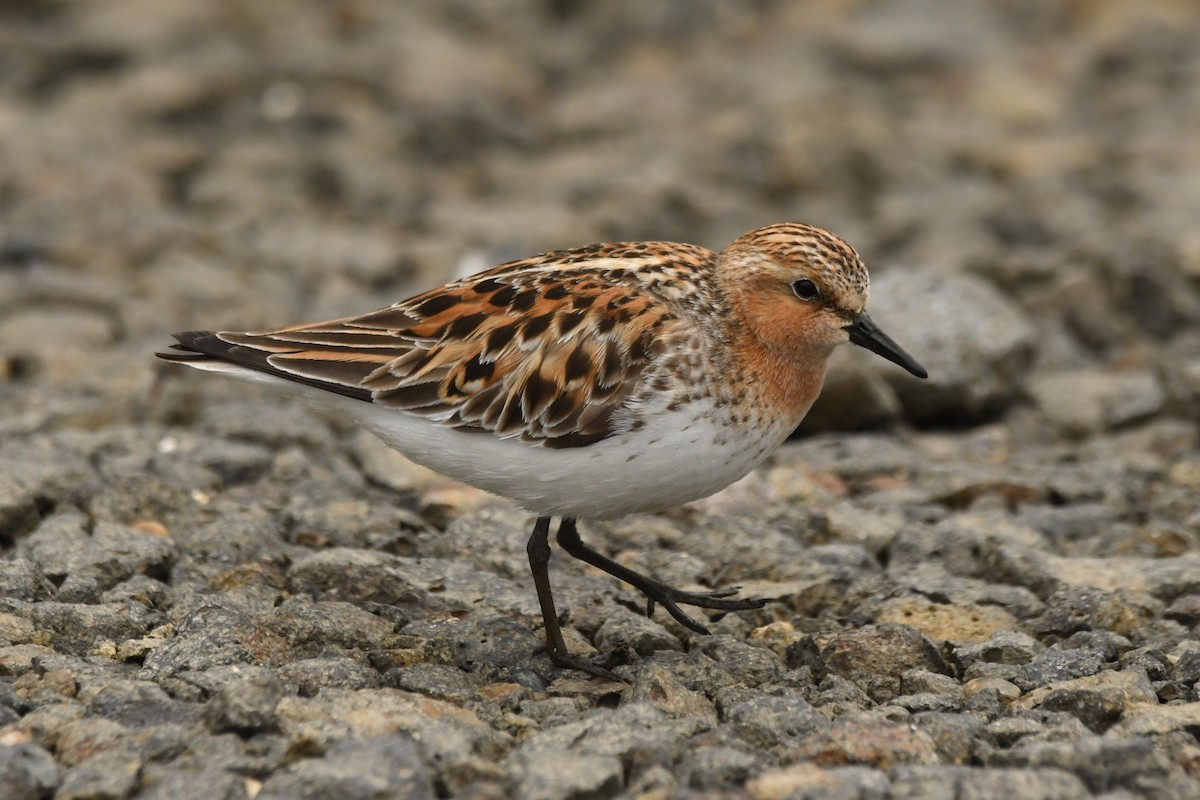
865, 333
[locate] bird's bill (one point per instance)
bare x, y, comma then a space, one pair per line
865, 333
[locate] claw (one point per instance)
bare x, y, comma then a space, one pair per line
670, 597
656, 591
682, 618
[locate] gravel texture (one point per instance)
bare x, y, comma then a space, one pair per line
982, 586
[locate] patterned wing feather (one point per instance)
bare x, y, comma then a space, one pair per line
548, 356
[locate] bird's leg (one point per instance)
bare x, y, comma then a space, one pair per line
656, 591
538, 548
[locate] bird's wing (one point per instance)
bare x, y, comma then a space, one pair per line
544, 354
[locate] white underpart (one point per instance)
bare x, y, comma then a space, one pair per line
679, 456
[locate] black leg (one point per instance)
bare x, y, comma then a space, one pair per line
538, 548
655, 591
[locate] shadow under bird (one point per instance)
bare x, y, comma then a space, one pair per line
588, 383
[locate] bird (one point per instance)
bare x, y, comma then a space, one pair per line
587, 383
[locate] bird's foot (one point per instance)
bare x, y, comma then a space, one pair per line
669, 598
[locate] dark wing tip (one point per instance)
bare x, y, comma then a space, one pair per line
208, 345
193, 346
200, 341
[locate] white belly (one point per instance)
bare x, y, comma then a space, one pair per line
678, 457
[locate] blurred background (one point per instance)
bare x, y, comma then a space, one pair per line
1021, 176
207, 590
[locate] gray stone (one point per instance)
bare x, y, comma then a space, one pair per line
553, 711
663, 688
49, 338
34, 480
875, 742
1081, 402
1111, 646
1185, 609
719, 767
258, 755
245, 706
1149, 661
875, 530
214, 636
976, 344
168, 782
1097, 710
309, 675
441, 681
8, 714
1148, 720
37, 687
953, 544
497, 648
746, 663
81, 739
79, 629
448, 733
233, 462
929, 577
838, 695
79, 589
923, 681
67, 547
1004, 647
379, 768
1103, 764
1058, 665
359, 523
953, 734
137, 704
1169, 578
928, 701
20, 579
227, 462
812, 782
1097, 700
27, 772
654, 779
914, 783
1007, 731
150, 592
1021, 562
310, 628
989, 688
873, 656
1069, 524
766, 722
236, 536
637, 733
110, 775
1187, 669
356, 576
1080, 608
568, 775
625, 631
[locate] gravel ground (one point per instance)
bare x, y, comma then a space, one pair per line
986, 585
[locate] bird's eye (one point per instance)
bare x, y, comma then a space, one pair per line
806, 289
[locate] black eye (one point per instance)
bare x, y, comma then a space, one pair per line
806, 289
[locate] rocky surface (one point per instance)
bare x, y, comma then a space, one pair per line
986, 585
